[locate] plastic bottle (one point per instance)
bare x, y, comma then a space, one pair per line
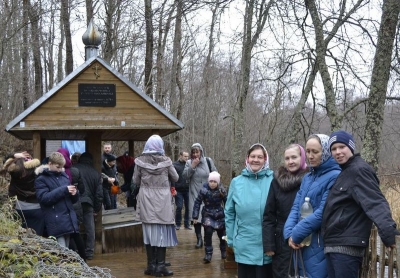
305, 210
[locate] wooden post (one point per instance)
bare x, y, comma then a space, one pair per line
93, 146
36, 145
131, 148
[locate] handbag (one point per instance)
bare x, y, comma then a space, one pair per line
297, 258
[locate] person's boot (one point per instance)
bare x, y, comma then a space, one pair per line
222, 247
151, 260
199, 241
161, 269
209, 252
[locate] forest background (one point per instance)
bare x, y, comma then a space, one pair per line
235, 72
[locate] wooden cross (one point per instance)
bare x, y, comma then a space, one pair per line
96, 70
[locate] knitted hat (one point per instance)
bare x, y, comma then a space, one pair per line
344, 137
109, 157
214, 176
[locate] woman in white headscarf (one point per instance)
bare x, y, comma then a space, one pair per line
244, 211
153, 173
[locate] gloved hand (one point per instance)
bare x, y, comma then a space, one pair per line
173, 191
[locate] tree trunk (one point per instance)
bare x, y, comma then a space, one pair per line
37, 64
249, 41
379, 82
148, 62
69, 59
89, 11
161, 44
176, 83
25, 56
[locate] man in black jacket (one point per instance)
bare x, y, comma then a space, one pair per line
353, 204
182, 192
91, 199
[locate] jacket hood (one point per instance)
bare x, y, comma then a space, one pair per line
12, 167
86, 158
45, 168
153, 162
327, 166
197, 145
262, 173
288, 181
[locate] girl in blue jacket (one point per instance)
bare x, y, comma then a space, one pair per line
315, 185
244, 211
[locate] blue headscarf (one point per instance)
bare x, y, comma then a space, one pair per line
154, 145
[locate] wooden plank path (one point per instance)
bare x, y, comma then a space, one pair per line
186, 260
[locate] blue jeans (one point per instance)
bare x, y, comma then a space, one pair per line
342, 266
180, 198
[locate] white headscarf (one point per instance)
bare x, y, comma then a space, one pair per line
154, 144
266, 163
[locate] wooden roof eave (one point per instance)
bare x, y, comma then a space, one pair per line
12, 125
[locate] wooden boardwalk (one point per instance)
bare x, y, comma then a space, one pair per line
186, 260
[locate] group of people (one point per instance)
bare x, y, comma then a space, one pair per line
260, 215
345, 197
63, 192
55, 197
263, 208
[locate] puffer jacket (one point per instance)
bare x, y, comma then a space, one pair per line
56, 202
154, 174
244, 211
315, 185
213, 210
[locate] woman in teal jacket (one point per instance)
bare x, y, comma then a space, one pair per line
244, 211
315, 185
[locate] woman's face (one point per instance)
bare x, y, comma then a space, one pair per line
314, 152
256, 160
292, 159
196, 153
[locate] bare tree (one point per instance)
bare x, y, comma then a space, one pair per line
258, 12
65, 15
148, 63
379, 82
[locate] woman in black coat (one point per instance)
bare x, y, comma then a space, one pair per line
280, 199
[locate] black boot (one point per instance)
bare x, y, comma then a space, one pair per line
199, 241
209, 251
222, 247
161, 269
151, 260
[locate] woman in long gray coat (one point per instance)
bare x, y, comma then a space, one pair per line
153, 173
197, 170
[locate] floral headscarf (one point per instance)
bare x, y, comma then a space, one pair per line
326, 153
154, 144
266, 163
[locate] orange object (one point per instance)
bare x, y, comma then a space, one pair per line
114, 189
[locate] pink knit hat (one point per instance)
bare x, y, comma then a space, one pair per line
214, 176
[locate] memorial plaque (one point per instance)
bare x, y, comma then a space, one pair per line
101, 95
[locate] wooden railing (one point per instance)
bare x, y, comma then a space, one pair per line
380, 262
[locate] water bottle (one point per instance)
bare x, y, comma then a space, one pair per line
305, 210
